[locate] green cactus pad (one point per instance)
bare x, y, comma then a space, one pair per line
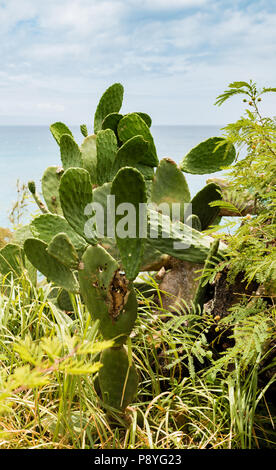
204, 158
145, 118
132, 125
46, 226
202, 286
36, 251
147, 171
21, 234
110, 102
194, 221
100, 195
164, 234
106, 143
170, 186
64, 251
131, 154
75, 193
111, 121
129, 187
70, 153
117, 378
58, 129
11, 260
89, 157
107, 294
50, 186
64, 301
83, 129
200, 204
32, 187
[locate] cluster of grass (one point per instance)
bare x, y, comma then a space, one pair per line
191, 395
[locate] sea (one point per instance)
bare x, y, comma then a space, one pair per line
26, 151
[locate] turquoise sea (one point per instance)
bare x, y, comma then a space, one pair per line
26, 151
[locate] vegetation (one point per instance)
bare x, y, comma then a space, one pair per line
72, 350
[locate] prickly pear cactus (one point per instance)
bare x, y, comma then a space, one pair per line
67, 246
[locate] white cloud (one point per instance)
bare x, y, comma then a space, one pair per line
167, 4
179, 53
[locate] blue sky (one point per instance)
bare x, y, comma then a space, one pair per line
172, 56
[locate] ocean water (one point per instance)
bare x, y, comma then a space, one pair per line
26, 151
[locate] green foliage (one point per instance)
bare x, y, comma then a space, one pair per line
119, 160
252, 250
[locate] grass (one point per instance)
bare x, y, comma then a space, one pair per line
189, 397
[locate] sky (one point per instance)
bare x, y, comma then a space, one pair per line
173, 57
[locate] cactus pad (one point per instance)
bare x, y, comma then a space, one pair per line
130, 247
200, 204
110, 102
205, 158
75, 196
83, 129
58, 129
89, 157
70, 153
117, 378
64, 251
50, 186
46, 226
163, 234
107, 293
106, 143
132, 125
36, 251
170, 186
111, 121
